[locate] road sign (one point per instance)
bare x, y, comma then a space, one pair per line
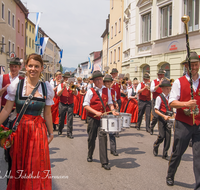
12, 54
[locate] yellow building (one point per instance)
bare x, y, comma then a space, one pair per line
30, 37
115, 35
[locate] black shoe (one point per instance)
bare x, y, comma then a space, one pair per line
89, 159
70, 136
54, 127
166, 157
138, 128
170, 181
114, 153
117, 135
6, 158
106, 166
59, 132
155, 151
151, 131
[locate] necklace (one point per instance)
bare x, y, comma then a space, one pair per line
30, 85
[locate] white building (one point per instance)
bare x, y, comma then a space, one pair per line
157, 36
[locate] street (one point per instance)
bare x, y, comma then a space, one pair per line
135, 168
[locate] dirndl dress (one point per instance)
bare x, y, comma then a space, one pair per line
31, 167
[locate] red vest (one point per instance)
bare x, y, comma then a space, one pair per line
67, 97
113, 99
185, 95
6, 80
158, 91
144, 95
95, 102
117, 88
162, 106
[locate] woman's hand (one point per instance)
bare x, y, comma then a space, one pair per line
50, 138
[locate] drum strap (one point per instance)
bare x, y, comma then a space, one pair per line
101, 100
164, 100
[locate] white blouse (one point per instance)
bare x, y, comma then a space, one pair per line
12, 88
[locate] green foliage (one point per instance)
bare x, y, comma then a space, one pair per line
4, 134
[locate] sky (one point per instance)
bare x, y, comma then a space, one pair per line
75, 25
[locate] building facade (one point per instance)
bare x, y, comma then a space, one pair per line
115, 35
30, 37
160, 37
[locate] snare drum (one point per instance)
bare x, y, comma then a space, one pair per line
126, 119
111, 123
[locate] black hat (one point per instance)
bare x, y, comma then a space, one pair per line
193, 57
96, 74
15, 61
114, 70
146, 76
161, 71
66, 75
165, 83
108, 78
135, 78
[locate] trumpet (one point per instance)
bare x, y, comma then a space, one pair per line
73, 87
165, 78
148, 85
124, 82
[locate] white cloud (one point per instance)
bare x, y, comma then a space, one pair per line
76, 26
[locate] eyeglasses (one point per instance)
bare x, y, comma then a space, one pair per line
100, 79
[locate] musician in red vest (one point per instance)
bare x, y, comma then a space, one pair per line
116, 86
187, 125
156, 90
163, 111
5, 81
66, 105
95, 103
144, 104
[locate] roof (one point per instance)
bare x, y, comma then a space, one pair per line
22, 7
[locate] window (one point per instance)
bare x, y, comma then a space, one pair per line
119, 25
166, 21
33, 30
111, 32
191, 8
13, 21
8, 17
9, 47
26, 25
118, 53
22, 29
30, 28
18, 26
3, 41
114, 55
166, 67
27, 41
115, 29
111, 57
13, 47
146, 27
30, 42
18, 51
2, 11
146, 69
22, 53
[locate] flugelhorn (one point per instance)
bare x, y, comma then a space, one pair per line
73, 87
185, 19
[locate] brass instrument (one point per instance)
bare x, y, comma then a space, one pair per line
73, 87
124, 83
185, 19
171, 81
148, 85
165, 78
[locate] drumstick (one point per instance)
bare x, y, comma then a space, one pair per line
105, 113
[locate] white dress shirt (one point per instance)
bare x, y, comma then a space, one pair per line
176, 88
89, 96
139, 87
11, 79
152, 88
158, 101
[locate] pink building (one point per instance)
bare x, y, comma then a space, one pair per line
97, 60
21, 15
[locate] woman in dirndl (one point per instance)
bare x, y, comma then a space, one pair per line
31, 167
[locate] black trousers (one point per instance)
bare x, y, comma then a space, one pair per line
92, 130
144, 106
164, 134
155, 116
182, 135
63, 109
112, 142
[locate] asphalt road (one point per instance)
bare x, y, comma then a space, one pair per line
135, 168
